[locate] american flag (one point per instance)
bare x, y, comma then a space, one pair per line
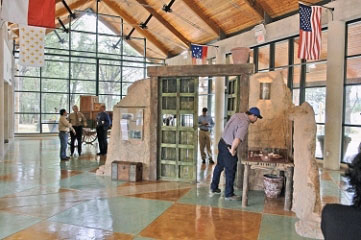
309, 47
199, 52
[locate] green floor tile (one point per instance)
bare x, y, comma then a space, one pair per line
278, 228
120, 214
201, 196
88, 181
12, 223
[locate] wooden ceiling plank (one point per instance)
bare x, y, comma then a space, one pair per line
164, 22
207, 20
256, 7
115, 8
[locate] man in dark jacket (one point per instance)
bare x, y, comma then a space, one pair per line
103, 124
341, 221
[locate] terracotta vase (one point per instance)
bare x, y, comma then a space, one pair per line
240, 55
272, 185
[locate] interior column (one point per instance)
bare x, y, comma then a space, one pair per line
334, 94
219, 101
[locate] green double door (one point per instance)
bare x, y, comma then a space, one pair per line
232, 96
178, 135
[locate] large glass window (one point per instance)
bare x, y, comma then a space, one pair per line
73, 68
352, 94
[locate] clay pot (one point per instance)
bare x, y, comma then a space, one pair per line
240, 55
272, 185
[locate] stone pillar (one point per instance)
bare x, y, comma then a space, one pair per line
6, 112
334, 95
2, 37
219, 101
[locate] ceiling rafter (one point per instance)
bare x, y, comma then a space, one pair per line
128, 18
257, 8
63, 11
206, 19
164, 22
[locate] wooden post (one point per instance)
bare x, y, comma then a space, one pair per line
245, 186
288, 192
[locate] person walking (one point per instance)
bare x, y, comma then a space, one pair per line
64, 127
205, 124
78, 121
103, 124
233, 135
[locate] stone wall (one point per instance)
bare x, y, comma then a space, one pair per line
275, 129
140, 95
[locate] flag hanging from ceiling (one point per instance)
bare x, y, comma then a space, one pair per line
309, 46
31, 46
199, 52
40, 13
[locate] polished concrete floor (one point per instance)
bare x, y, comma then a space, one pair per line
43, 198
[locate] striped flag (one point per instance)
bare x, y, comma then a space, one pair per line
309, 47
40, 13
199, 52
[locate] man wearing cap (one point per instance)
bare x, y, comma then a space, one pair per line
234, 133
103, 124
205, 123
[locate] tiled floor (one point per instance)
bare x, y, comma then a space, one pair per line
43, 198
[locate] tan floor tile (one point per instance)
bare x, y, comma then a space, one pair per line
51, 230
172, 195
275, 206
207, 223
69, 173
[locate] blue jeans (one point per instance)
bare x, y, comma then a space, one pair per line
225, 161
63, 144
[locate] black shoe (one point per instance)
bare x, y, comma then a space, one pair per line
99, 153
203, 161
216, 191
64, 159
211, 161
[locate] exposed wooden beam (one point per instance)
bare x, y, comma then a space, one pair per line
128, 18
256, 7
192, 5
164, 22
63, 11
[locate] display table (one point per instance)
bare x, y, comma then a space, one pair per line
278, 164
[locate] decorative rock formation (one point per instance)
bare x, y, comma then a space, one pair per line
143, 150
274, 130
306, 193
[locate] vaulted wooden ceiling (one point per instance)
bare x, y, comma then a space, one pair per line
169, 33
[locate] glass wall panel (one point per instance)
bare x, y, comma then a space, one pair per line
56, 69
53, 102
27, 123
263, 57
281, 53
296, 96
83, 69
27, 102
109, 72
296, 60
27, 84
109, 101
132, 74
320, 135
353, 39
109, 88
353, 74
296, 76
54, 85
352, 104
84, 87
316, 74
316, 97
351, 143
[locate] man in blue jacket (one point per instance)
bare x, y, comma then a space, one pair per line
103, 124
